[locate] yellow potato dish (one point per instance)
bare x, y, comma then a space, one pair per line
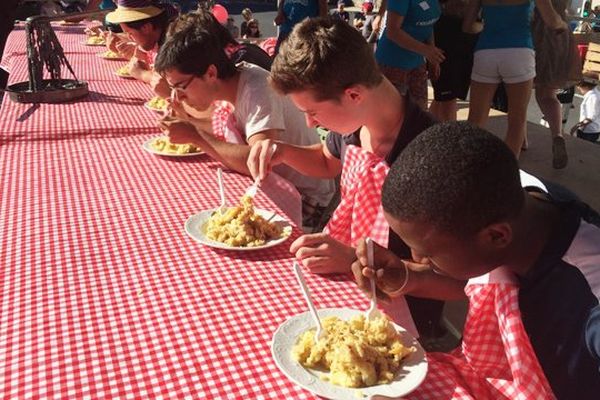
240, 226
356, 353
157, 103
123, 71
97, 40
111, 54
163, 145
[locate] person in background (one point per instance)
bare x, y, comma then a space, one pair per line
406, 51
328, 70
145, 26
252, 31
455, 71
199, 72
364, 22
247, 15
531, 256
504, 53
340, 13
238, 52
588, 127
291, 12
232, 27
557, 66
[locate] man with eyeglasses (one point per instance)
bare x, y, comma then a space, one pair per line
200, 72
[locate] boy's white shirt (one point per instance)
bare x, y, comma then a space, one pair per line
259, 108
590, 109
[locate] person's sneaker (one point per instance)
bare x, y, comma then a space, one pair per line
560, 158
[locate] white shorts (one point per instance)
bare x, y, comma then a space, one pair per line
513, 65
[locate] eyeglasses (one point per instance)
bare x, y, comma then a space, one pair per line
182, 86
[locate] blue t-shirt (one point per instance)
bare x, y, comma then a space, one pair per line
506, 27
296, 11
419, 18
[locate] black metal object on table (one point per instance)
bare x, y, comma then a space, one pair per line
46, 55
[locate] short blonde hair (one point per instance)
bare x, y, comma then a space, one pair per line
247, 13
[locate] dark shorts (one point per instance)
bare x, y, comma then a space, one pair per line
590, 137
455, 71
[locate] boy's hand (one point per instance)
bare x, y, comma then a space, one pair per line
263, 156
322, 254
160, 86
179, 132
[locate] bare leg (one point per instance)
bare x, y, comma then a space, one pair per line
480, 101
444, 110
550, 106
518, 100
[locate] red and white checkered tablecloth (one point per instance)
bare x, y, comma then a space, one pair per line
102, 294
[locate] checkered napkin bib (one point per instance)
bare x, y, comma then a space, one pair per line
359, 213
497, 360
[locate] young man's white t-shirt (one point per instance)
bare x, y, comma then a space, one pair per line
590, 109
259, 108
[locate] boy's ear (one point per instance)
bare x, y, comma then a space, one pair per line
354, 93
211, 72
497, 236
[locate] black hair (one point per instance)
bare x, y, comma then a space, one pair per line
584, 83
457, 177
191, 51
202, 19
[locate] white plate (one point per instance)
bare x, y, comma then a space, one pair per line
195, 227
414, 367
147, 146
102, 56
123, 76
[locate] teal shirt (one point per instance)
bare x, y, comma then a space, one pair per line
419, 18
506, 27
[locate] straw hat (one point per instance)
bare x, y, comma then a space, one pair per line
132, 10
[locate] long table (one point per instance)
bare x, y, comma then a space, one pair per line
102, 294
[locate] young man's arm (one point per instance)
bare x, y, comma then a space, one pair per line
392, 280
280, 17
232, 155
399, 36
323, 9
379, 17
470, 19
550, 16
315, 161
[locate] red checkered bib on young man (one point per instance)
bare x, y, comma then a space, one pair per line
360, 214
497, 360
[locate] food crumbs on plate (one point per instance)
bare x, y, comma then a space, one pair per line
357, 353
359, 394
